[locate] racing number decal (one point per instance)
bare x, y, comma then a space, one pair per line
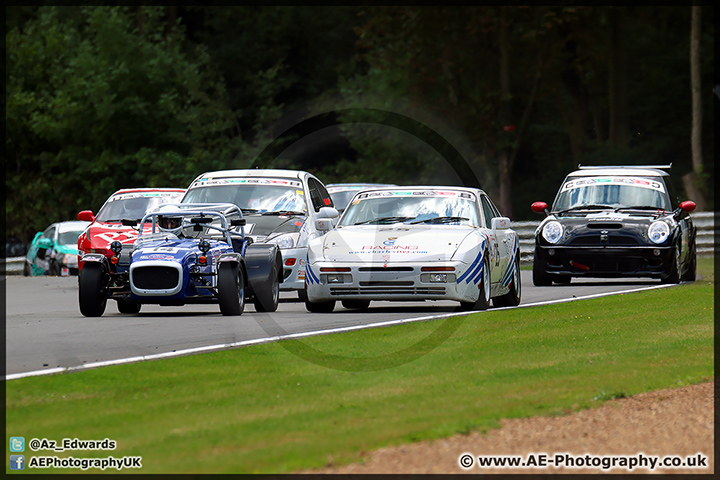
109, 237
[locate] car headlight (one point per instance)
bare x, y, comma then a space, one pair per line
552, 232
658, 232
283, 241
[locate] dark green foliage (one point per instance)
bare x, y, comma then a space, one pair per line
107, 97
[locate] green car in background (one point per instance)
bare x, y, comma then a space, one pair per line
54, 251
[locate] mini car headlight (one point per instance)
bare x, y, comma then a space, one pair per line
658, 232
552, 232
283, 241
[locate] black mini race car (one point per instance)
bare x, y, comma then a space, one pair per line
619, 221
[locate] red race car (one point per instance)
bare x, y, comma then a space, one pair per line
128, 206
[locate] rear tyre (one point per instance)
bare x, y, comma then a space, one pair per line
320, 307
27, 270
128, 306
231, 289
356, 304
512, 298
91, 290
268, 300
483, 301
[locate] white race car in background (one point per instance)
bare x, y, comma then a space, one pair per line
281, 207
416, 243
342, 193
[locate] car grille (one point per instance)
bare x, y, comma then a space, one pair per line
155, 278
624, 265
386, 269
613, 240
387, 290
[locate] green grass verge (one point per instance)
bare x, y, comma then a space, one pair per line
267, 409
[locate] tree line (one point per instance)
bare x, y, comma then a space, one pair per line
106, 97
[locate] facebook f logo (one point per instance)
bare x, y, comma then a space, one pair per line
17, 462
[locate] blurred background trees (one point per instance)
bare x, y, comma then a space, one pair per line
107, 97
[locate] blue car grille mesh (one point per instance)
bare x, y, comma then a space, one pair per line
155, 278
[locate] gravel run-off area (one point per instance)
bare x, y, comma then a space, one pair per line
673, 422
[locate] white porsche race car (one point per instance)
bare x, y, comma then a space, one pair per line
416, 243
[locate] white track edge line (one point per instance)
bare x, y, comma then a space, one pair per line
245, 343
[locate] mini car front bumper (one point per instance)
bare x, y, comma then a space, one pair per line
609, 262
333, 281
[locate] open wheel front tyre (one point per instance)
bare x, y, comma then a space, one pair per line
268, 300
231, 289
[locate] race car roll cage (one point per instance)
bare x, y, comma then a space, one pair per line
118, 282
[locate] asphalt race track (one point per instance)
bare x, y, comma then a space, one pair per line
45, 331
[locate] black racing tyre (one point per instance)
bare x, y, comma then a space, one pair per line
691, 273
483, 301
564, 279
231, 289
512, 298
674, 269
268, 300
320, 307
124, 306
91, 290
356, 304
540, 278
302, 295
27, 270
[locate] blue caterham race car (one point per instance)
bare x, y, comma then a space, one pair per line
193, 253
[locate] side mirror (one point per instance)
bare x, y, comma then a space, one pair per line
86, 216
323, 224
539, 207
688, 206
45, 243
328, 212
500, 222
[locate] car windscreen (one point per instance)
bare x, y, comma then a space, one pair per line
251, 197
133, 206
68, 238
412, 207
613, 192
342, 198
